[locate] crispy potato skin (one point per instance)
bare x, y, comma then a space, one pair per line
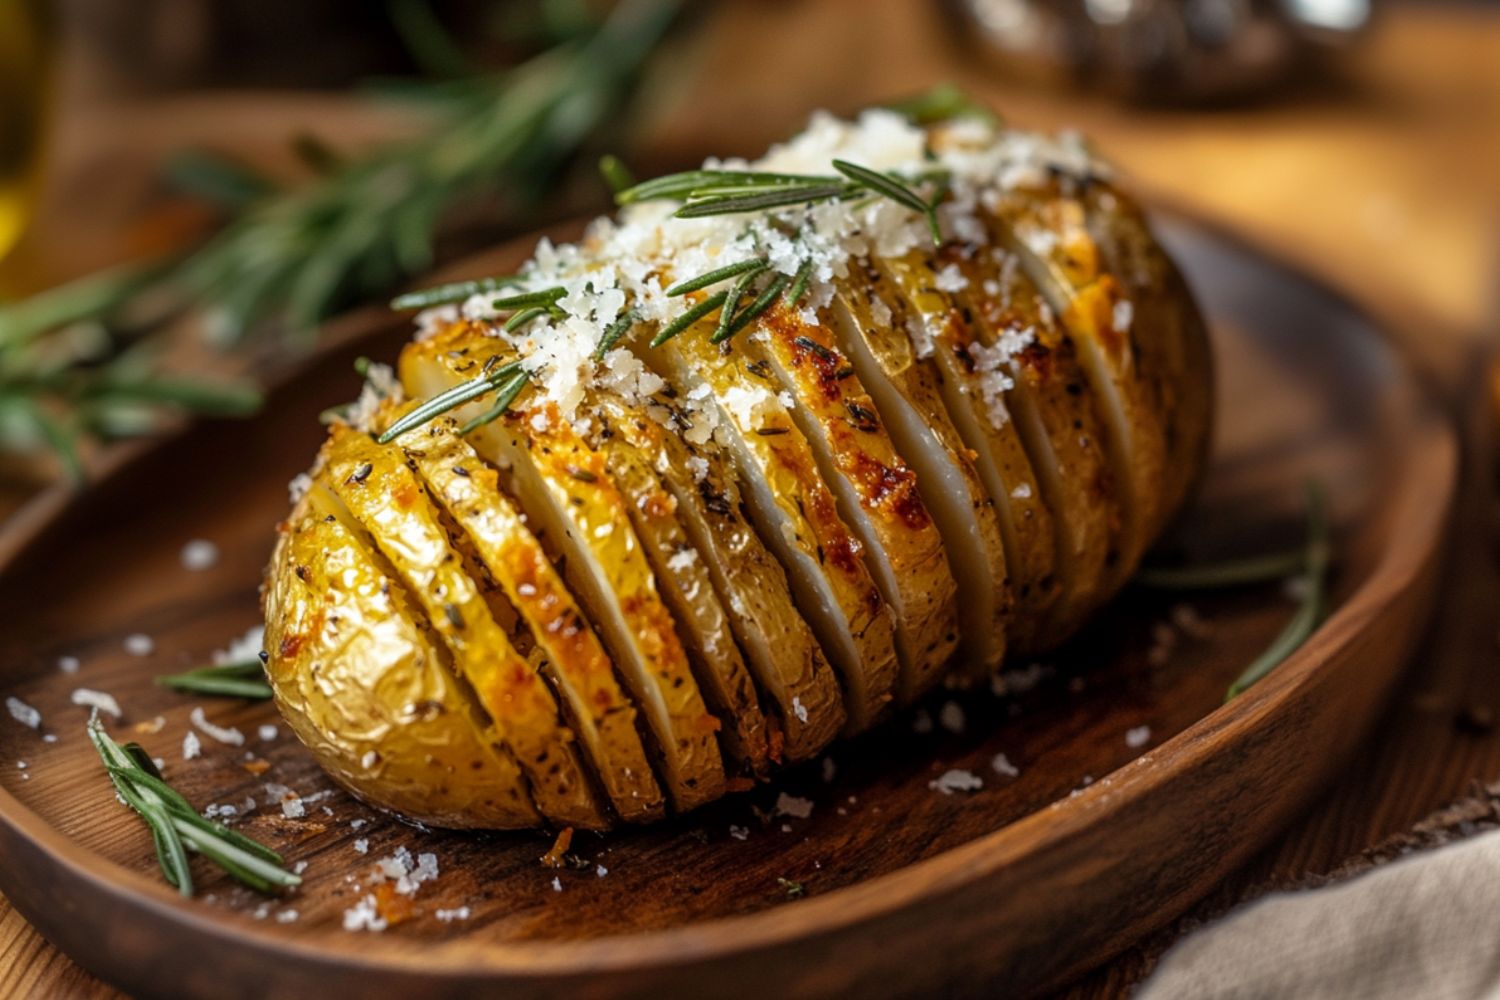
589, 622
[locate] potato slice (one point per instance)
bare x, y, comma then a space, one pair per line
565, 489
388, 501
1046, 231
599, 711
796, 515
784, 656
368, 691
871, 320
684, 581
1168, 333
981, 410
1062, 427
879, 494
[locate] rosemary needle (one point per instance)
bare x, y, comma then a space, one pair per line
688, 318
239, 679
503, 399
176, 827
894, 190
457, 291
1230, 573
732, 303
450, 399
715, 276
765, 301
1314, 604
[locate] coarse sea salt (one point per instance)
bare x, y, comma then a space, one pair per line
364, 916
957, 780
89, 698
224, 734
139, 644
23, 713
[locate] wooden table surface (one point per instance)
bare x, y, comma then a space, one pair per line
1382, 182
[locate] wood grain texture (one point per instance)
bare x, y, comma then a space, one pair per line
1018, 885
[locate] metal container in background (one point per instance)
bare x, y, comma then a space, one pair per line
1169, 51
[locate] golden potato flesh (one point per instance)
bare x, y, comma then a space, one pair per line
677, 505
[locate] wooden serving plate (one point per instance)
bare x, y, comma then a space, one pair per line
890, 886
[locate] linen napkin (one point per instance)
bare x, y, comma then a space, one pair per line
1427, 926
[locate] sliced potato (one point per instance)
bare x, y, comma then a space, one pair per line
1063, 430
784, 656
388, 501
564, 487
580, 669
1169, 336
684, 581
368, 691
1047, 232
979, 400
879, 495
796, 515
873, 320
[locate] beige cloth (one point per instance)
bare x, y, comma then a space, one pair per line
1427, 926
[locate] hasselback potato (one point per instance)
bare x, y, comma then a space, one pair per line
771, 454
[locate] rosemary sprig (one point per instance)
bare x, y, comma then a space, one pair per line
456, 291
705, 193
1230, 573
239, 679
506, 376
766, 299
614, 333
176, 827
895, 190
294, 254
1313, 606
715, 276
688, 318
505, 395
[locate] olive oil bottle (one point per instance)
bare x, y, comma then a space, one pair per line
27, 43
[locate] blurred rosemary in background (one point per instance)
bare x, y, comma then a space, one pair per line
83, 361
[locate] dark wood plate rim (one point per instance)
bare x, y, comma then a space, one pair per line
1422, 498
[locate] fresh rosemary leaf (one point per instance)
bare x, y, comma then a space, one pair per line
177, 828
457, 291
892, 189
240, 679
525, 316
681, 186
688, 318
1231, 573
1313, 606
732, 302
747, 315
451, 399
616, 174
505, 395
799, 284
522, 300
729, 204
715, 276
217, 179
613, 333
